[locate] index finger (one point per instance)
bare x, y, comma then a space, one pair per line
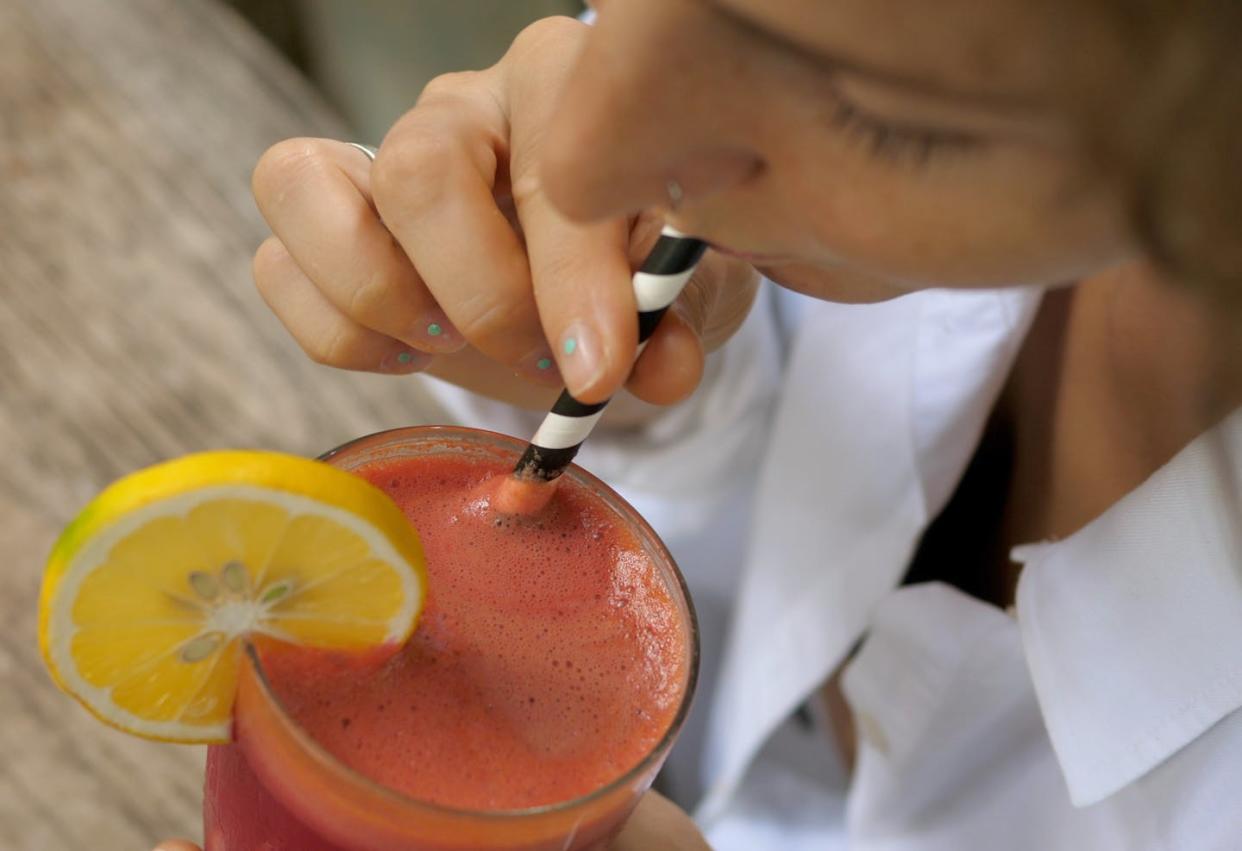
582, 283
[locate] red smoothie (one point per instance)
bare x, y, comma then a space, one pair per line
554, 655
547, 661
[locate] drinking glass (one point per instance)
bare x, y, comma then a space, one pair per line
274, 788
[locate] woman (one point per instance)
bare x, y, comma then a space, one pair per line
960, 162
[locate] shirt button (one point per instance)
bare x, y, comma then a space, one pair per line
871, 731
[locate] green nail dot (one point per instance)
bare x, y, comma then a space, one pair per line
404, 357
571, 345
434, 329
544, 363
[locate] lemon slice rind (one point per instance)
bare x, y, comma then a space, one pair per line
129, 505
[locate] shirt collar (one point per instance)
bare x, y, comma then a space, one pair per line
1131, 626
880, 409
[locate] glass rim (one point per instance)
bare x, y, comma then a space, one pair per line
309, 745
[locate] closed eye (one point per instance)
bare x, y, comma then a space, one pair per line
904, 143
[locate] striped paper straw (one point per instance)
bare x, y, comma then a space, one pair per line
656, 285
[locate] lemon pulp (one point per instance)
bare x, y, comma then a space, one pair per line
149, 594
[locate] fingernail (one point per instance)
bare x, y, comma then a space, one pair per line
580, 359
541, 366
435, 333
404, 362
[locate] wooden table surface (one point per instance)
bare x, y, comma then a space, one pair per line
130, 332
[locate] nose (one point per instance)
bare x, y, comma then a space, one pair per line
643, 113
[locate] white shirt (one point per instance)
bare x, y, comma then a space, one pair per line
1102, 716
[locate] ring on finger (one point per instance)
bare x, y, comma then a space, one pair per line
368, 150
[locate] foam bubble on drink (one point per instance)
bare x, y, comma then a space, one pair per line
549, 659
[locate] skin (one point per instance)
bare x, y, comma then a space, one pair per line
854, 186
854, 151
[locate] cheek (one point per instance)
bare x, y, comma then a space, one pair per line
970, 219
841, 284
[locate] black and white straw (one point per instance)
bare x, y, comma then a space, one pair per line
656, 285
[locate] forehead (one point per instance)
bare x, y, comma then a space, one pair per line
1002, 47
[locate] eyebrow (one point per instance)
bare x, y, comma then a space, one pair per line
911, 82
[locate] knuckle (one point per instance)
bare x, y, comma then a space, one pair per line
331, 349
270, 259
537, 36
447, 86
317, 350
408, 172
526, 187
485, 322
371, 304
284, 165
270, 254
563, 268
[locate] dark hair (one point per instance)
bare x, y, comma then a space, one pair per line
1174, 136
1171, 133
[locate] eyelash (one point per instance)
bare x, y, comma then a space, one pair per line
901, 143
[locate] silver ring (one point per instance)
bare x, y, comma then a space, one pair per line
366, 149
674, 191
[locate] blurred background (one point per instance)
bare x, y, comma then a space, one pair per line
371, 58
130, 328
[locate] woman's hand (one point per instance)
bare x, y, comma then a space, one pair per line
656, 824
445, 253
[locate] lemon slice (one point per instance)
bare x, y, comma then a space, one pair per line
149, 593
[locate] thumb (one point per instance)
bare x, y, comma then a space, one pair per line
658, 823
708, 312
176, 845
